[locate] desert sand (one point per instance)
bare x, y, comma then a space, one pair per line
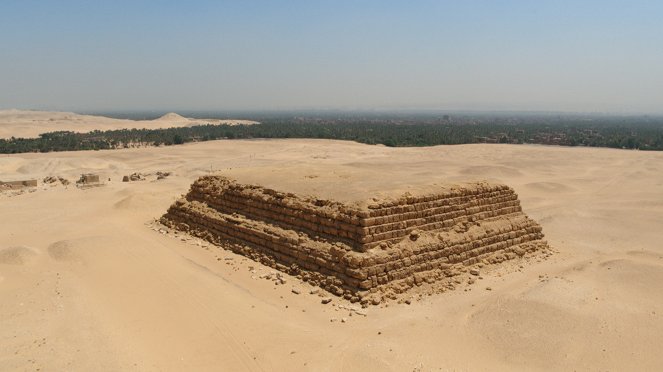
86, 283
30, 124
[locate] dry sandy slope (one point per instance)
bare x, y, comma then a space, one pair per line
29, 124
85, 285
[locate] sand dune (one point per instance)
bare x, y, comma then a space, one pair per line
98, 289
29, 124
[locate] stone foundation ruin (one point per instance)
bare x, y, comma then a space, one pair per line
361, 250
14, 185
88, 180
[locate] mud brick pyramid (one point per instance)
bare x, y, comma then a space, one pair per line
363, 250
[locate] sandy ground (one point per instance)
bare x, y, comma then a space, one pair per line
30, 124
85, 284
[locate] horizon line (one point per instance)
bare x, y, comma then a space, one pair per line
364, 110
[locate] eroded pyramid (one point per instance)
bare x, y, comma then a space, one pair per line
363, 249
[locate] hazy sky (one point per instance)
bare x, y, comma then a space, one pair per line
206, 55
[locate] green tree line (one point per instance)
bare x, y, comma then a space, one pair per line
643, 135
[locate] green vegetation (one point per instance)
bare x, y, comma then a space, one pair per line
641, 133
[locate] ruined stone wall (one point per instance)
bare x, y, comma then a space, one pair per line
391, 221
354, 249
19, 184
328, 219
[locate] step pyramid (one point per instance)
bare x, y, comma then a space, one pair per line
363, 250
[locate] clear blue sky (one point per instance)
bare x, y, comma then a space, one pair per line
208, 55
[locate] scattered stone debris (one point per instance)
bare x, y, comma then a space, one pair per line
162, 175
143, 176
50, 180
353, 309
136, 177
133, 177
326, 300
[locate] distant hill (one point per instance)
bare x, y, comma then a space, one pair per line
30, 124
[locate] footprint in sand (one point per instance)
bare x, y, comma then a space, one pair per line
61, 251
17, 255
